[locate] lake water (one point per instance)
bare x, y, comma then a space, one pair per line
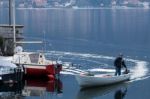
91, 39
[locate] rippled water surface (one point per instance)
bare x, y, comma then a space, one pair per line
90, 39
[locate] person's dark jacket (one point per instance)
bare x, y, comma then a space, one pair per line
119, 62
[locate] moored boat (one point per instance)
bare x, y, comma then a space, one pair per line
86, 80
36, 65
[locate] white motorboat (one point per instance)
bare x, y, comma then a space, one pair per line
88, 80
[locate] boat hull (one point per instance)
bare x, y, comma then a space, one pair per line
41, 70
100, 80
35, 70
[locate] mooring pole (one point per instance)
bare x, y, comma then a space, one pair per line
10, 12
14, 23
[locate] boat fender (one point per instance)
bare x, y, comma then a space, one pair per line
41, 62
18, 49
51, 77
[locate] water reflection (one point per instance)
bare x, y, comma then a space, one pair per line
39, 87
93, 92
12, 91
30, 88
120, 93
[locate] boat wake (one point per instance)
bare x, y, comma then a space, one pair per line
140, 71
98, 63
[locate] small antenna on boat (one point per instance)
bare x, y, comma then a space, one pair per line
44, 41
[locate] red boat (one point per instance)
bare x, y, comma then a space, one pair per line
36, 65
